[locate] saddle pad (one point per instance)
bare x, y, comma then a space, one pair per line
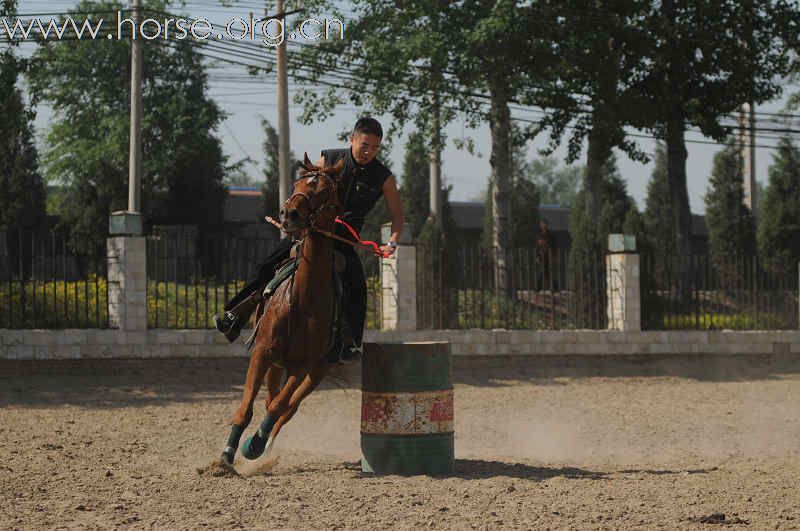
286, 271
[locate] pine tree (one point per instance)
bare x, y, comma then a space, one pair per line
659, 227
779, 226
271, 189
731, 228
590, 240
415, 186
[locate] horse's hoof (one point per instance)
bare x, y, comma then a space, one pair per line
253, 447
227, 458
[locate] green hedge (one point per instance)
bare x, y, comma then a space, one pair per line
55, 304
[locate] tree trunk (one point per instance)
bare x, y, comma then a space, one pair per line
597, 155
500, 124
679, 195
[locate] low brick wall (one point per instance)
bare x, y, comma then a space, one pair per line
91, 344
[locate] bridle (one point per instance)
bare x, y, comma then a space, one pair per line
310, 227
326, 204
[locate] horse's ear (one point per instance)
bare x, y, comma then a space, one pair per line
307, 162
335, 170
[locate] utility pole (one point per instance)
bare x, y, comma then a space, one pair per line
129, 222
284, 179
135, 161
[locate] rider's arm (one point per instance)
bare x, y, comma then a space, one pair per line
395, 207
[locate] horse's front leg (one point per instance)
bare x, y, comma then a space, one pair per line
283, 408
306, 387
254, 445
255, 377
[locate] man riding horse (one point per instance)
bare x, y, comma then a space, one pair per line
364, 179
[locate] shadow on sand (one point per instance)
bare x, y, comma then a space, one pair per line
110, 383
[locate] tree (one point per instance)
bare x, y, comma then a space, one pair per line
590, 240
702, 61
596, 56
557, 186
779, 225
22, 191
524, 201
415, 187
731, 228
271, 189
659, 226
183, 163
474, 56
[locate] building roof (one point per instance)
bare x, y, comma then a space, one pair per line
243, 206
468, 215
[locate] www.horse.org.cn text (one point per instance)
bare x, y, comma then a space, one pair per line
270, 31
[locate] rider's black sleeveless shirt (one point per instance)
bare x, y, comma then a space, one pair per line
360, 187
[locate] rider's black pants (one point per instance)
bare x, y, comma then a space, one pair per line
353, 282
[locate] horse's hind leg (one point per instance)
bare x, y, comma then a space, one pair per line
273, 380
255, 377
307, 385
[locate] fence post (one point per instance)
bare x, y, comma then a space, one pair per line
127, 280
622, 284
399, 285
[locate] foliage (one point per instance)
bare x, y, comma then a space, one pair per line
55, 304
271, 189
183, 163
659, 227
779, 226
415, 186
557, 186
590, 235
701, 61
22, 192
731, 228
523, 200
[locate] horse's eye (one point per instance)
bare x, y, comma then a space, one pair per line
312, 180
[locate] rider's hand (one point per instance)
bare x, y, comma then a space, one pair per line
387, 250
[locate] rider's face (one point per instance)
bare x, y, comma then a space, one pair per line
364, 147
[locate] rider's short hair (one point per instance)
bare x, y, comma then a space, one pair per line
368, 126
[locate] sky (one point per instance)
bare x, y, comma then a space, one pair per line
246, 102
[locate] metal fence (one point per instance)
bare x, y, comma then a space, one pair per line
191, 277
466, 288
697, 292
50, 281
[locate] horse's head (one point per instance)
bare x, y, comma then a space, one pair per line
314, 202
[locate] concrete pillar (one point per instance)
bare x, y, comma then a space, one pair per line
127, 282
624, 308
399, 289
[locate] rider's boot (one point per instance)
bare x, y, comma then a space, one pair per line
233, 320
345, 349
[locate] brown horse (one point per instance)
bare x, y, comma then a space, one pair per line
296, 330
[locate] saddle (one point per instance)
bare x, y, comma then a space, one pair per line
285, 271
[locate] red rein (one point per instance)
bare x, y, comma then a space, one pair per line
376, 250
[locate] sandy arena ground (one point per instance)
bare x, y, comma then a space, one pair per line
604, 444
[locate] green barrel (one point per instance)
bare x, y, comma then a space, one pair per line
407, 409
